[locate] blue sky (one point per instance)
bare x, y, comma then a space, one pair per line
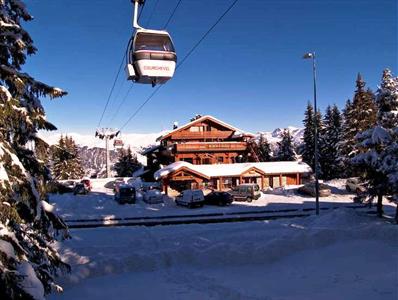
248, 71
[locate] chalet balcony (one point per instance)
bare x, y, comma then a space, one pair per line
211, 147
202, 135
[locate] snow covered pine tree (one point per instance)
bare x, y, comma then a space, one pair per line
359, 115
309, 122
285, 147
66, 160
264, 149
127, 163
27, 261
378, 158
330, 136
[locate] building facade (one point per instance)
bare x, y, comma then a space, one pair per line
204, 140
183, 175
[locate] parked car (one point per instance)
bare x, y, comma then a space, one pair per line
87, 183
246, 192
309, 189
117, 182
146, 186
125, 194
191, 198
153, 197
218, 198
354, 185
81, 189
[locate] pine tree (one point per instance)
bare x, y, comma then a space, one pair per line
264, 149
285, 147
26, 222
310, 121
330, 136
127, 163
66, 160
359, 116
378, 155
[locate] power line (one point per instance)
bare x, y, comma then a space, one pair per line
206, 34
182, 61
121, 103
172, 14
117, 76
141, 106
152, 13
111, 91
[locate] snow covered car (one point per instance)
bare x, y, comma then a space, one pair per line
125, 194
218, 198
81, 189
309, 189
153, 197
354, 185
191, 198
246, 192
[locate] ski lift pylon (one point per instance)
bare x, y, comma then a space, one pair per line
151, 56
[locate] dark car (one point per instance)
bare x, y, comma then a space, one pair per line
125, 194
81, 189
219, 198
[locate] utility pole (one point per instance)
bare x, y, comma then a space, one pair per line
107, 134
311, 55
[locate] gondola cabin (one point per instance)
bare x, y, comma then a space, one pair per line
151, 57
118, 144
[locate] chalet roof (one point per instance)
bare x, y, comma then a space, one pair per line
237, 132
225, 170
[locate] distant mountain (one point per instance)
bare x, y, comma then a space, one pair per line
275, 136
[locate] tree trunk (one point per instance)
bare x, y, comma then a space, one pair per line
380, 205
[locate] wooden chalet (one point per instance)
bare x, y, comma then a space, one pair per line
204, 140
183, 175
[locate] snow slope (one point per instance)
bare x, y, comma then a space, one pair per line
338, 255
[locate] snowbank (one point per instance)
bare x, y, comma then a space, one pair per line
336, 250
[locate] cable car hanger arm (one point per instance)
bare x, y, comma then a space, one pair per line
137, 3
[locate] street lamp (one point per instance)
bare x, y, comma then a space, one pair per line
311, 55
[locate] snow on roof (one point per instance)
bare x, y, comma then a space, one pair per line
150, 149
237, 131
222, 170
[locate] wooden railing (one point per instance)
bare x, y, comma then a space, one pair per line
188, 135
227, 146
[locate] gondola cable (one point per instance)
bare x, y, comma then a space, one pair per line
117, 76
126, 95
181, 63
172, 14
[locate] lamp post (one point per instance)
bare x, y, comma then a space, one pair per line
311, 55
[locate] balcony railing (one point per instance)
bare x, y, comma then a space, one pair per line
188, 135
209, 147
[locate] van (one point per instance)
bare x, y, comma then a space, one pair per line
191, 198
246, 192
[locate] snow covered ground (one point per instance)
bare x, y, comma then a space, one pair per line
342, 254
99, 205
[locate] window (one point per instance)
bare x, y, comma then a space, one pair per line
154, 42
220, 159
206, 161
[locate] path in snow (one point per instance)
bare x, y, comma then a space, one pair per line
342, 254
